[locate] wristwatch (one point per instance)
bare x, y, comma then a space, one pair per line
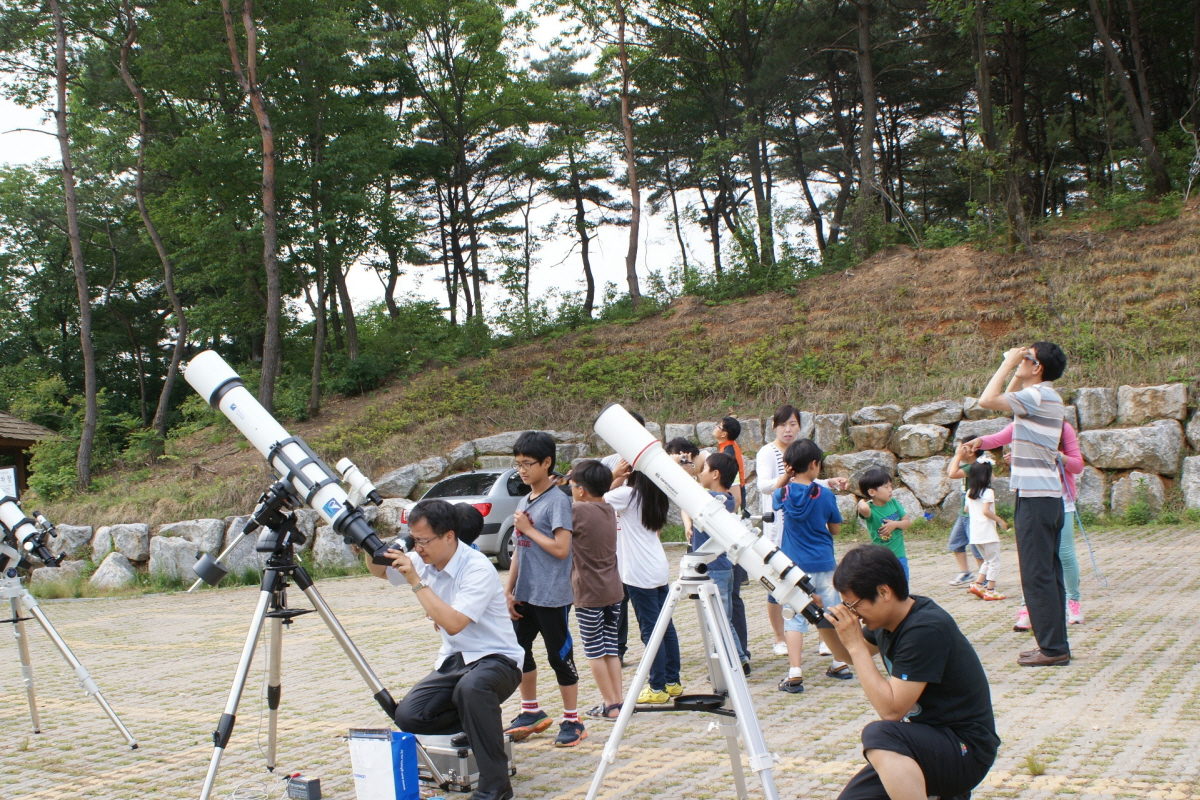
419, 586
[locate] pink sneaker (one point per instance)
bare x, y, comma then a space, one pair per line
1074, 613
1022, 622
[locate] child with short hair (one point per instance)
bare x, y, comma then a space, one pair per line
539, 589
883, 514
717, 476
810, 521
726, 433
595, 581
959, 540
981, 506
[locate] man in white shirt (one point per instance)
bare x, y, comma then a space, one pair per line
476, 668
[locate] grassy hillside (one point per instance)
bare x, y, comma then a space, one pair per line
905, 326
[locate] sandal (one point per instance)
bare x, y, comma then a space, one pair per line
792, 685
842, 673
601, 711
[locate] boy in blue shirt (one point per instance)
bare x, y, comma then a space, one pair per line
717, 476
810, 521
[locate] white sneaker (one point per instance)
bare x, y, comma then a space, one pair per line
780, 649
962, 578
823, 649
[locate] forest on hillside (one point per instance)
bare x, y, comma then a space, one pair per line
223, 165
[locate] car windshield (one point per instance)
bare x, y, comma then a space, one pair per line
467, 485
517, 487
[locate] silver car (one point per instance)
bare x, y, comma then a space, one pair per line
495, 493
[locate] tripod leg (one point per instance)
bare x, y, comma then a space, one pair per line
225, 726
609, 756
381, 694
760, 758
713, 617
274, 689
85, 680
26, 663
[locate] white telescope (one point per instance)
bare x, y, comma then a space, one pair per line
30, 534
756, 554
305, 474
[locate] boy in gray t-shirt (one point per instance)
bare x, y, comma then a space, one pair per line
539, 589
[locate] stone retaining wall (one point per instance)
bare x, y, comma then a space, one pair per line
1133, 440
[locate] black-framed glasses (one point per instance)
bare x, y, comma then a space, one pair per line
522, 466
852, 605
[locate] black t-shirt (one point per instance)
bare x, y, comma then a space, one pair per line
927, 646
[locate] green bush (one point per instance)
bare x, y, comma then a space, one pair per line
1139, 510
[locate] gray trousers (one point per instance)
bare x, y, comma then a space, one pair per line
1038, 522
466, 697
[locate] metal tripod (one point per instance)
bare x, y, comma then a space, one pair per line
22, 602
731, 696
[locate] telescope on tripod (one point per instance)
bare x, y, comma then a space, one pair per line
24, 537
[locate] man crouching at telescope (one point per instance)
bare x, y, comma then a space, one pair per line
936, 736
476, 669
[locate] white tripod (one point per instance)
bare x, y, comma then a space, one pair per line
21, 602
731, 696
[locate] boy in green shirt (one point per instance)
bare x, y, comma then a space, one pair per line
883, 515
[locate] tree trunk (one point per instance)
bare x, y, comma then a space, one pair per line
865, 206
87, 435
139, 192
343, 293
675, 214
320, 329
1142, 123
451, 276
1195, 64
983, 79
762, 206
635, 197
589, 294
248, 81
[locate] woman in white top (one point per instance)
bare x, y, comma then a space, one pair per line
771, 476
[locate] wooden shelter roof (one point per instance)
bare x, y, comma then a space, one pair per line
18, 430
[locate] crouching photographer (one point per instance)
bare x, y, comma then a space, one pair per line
936, 736
476, 668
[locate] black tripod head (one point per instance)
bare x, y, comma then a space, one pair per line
275, 514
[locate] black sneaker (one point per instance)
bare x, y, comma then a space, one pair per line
745, 667
570, 734
526, 724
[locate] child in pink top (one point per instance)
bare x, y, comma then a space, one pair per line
1070, 465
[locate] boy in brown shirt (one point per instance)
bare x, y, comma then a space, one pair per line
595, 581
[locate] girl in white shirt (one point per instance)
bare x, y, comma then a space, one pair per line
982, 522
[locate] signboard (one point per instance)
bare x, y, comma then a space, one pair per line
8, 481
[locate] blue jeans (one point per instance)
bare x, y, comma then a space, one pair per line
1066, 554
904, 564
958, 539
723, 578
647, 605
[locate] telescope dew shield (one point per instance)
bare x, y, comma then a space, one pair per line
761, 559
305, 474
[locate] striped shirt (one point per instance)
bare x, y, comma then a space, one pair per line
1037, 428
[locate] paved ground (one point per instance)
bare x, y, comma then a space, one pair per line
1122, 721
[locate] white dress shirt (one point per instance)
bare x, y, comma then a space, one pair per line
469, 584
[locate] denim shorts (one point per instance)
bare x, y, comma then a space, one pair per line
823, 583
959, 538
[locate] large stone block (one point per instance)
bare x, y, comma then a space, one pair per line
306, 523
873, 436
704, 434
848, 507
566, 453
72, 541
852, 465
973, 411
752, 434
131, 541
676, 430
871, 415
909, 502
829, 430
115, 572
172, 557
488, 462
565, 437
938, 412
1071, 417
1193, 431
331, 551
1090, 490
64, 573
920, 440
207, 534
1189, 482
1134, 485
461, 457
973, 429
102, 544
1004, 495
1157, 447
244, 556
387, 523
952, 503
926, 478
1138, 404
500, 444
400, 482
1096, 407
808, 427
433, 468
655, 430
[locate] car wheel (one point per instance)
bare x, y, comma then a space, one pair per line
508, 545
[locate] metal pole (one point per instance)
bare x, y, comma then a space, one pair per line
274, 689
26, 663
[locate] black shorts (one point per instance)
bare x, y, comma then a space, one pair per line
951, 769
552, 624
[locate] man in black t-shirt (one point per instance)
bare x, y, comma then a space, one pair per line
936, 735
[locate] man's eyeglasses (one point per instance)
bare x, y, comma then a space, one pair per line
423, 543
1031, 359
852, 605
522, 466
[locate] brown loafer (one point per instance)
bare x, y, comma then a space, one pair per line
1040, 659
1028, 653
